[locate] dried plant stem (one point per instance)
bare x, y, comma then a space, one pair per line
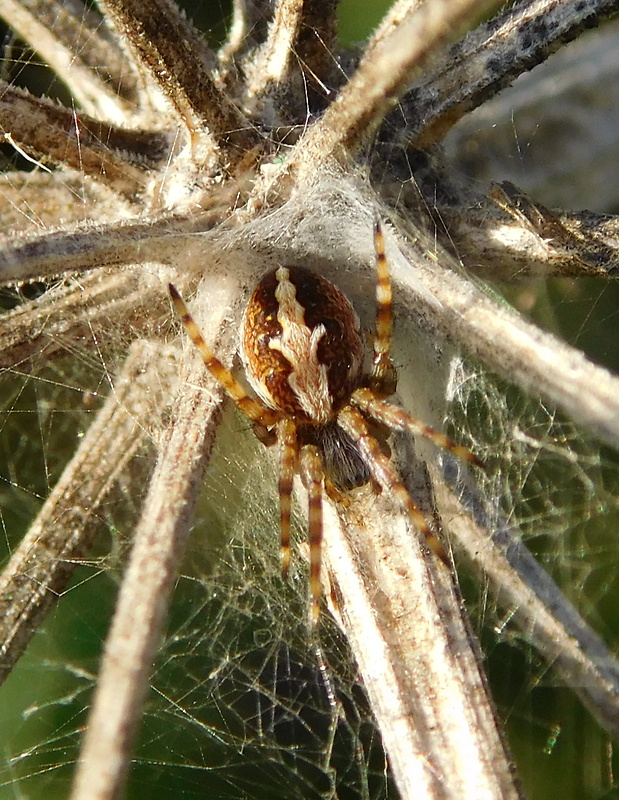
70, 40
418, 659
179, 61
300, 46
539, 609
42, 565
582, 80
402, 614
380, 79
500, 247
98, 299
62, 136
142, 607
491, 57
248, 29
394, 17
62, 252
34, 200
518, 350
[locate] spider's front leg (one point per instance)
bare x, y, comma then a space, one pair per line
398, 419
264, 418
384, 377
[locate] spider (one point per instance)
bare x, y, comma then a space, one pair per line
302, 351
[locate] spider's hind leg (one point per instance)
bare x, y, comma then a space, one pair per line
384, 474
288, 458
312, 475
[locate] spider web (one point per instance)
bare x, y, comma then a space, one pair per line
243, 703
560, 489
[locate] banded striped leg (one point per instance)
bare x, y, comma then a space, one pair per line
397, 418
262, 417
383, 472
312, 476
288, 454
384, 377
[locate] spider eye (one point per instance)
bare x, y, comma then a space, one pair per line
301, 346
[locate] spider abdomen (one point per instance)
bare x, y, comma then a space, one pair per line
301, 344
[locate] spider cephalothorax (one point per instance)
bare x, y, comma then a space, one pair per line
302, 351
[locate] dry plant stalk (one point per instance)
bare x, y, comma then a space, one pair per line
207, 167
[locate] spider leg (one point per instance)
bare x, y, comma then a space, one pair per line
312, 475
263, 418
398, 418
383, 472
289, 451
384, 377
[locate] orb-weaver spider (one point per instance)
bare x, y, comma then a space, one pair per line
302, 351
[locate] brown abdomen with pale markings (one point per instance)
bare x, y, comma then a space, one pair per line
301, 345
